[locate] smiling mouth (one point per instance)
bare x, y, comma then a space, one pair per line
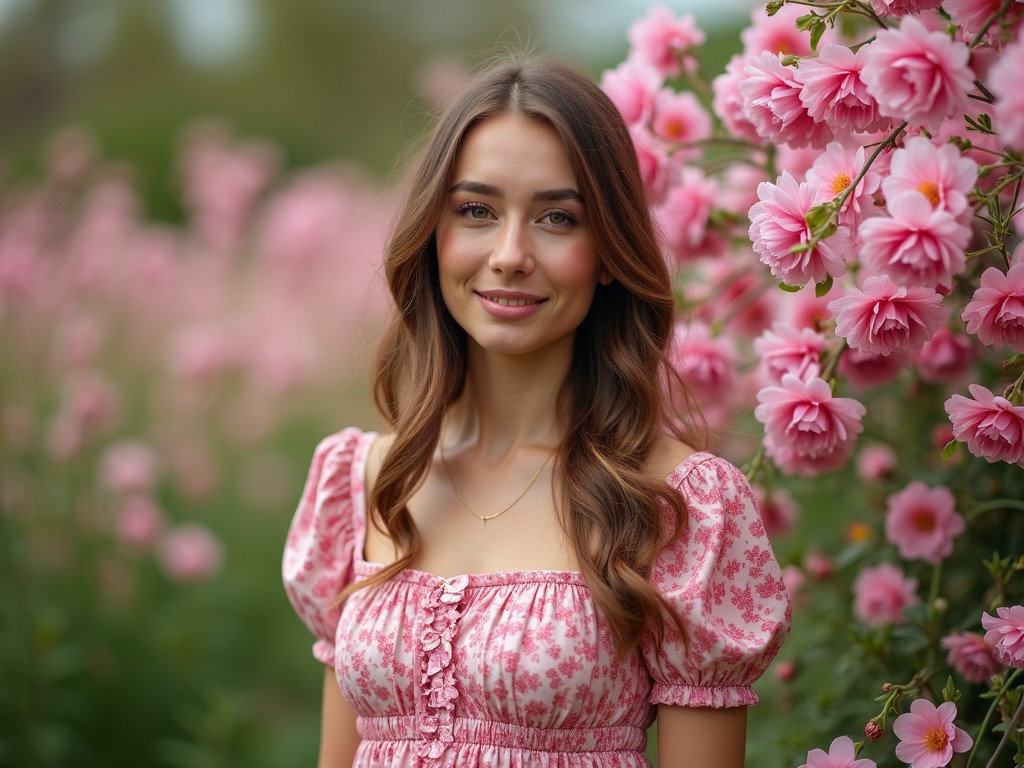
506, 301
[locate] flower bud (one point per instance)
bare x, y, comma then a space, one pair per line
873, 731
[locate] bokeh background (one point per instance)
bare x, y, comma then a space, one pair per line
194, 195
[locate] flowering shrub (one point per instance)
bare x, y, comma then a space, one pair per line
864, 157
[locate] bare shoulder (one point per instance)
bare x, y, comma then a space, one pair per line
668, 454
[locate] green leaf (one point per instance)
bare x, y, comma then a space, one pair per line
803, 23
774, 7
949, 692
822, 288
790, 288
817, 30
818, 215
950, 449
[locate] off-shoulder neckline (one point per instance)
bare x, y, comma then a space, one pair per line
365, 567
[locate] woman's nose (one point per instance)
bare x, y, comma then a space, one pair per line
513, 251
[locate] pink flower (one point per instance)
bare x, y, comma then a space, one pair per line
875, 462
190, 553
728, 287
778, 510
707, 365
631, 86
995, 313
928, 737
1004, 82
128, 466
777, 33
683, 216
918, 75
971, 15
790, 462
784, 349
664, 42
873, 731
902, 7
834, 171
778, 223
923, 522
139, 522
771, 102
1006, 634
992, 426
658, 170
883, 317
864, 370
944, 357
785, 671
972, 657
679, 118
819, 567
916, 244
834, 93
806, 418
881, 594
841, 754
728, 102
941, 174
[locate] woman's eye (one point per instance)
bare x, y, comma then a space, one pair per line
475, 212
561, 218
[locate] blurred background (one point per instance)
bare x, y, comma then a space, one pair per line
194, 195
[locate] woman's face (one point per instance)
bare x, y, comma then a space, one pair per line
516, 256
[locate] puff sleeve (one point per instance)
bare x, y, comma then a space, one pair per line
320, 548
724, 582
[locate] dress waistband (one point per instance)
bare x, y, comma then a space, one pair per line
612, 738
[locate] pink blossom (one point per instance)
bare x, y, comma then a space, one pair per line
784, 349
778, 33
664, 42
918, 75
805, 417
883, 317
683, 216
128, 466
941, 174
881, 593
834, 171
873, 731
1006, 634
992, 426
818, 566
928, 736
875, 462
790, 462
190, 553
140, 521
778, 223
923, 522
916, 244
794, 578
995, 313
944, 357
972, 657
657, 168
728, 287
841, 754
631, 86
778, 510
785, 671
727, 102
834, 92
971, 15
705, 363
680, 118
771, 102
865, 370
1008, 114
902, 7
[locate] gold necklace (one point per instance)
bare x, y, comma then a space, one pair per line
477, 515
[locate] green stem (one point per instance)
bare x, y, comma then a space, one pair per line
1006, 734
994, 504
988, 716
990, 21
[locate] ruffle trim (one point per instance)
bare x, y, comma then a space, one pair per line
323, 651
703, 696
441, 616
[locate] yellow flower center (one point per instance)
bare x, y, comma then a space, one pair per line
930, 190
858, 532
839, 183
936, 740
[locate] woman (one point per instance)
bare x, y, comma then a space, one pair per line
507, 578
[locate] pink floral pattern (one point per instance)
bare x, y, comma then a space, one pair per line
518, 668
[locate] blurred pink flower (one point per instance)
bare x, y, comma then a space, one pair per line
1006, 634
727, 102
790, 462
439, 78
941, 174
665, 42
71, 154
883, 317
785, 671
923, 522
1004, 82
729, 288
944, 357
680, 118
918, 75
806, 418
779, 511
129, 466
202, 352
784, 349
875, 462
140, 521
818, 566
972, 657
916, 244
705, 363
632, 86
771, 102
834, 92
778, 223
794, 578
928, 737
190, 553
881, 593
866, 370
834, 171
902, 7
778, 33
995, 313
992, 426
841, 754
683, 216
971, 15
657, 168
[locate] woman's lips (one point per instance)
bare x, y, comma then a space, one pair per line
510, 305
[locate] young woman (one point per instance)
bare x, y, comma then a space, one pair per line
531, 565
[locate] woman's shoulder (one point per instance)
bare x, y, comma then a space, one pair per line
669, 455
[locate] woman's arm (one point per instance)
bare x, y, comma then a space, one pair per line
338, 736
701, 737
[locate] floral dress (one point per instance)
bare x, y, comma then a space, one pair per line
515, 669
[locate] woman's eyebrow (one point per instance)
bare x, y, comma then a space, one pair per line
488, 190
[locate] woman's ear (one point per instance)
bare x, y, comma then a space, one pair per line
604, 277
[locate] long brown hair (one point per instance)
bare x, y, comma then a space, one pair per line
611, 508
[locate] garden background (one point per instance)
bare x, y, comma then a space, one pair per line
193, 200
